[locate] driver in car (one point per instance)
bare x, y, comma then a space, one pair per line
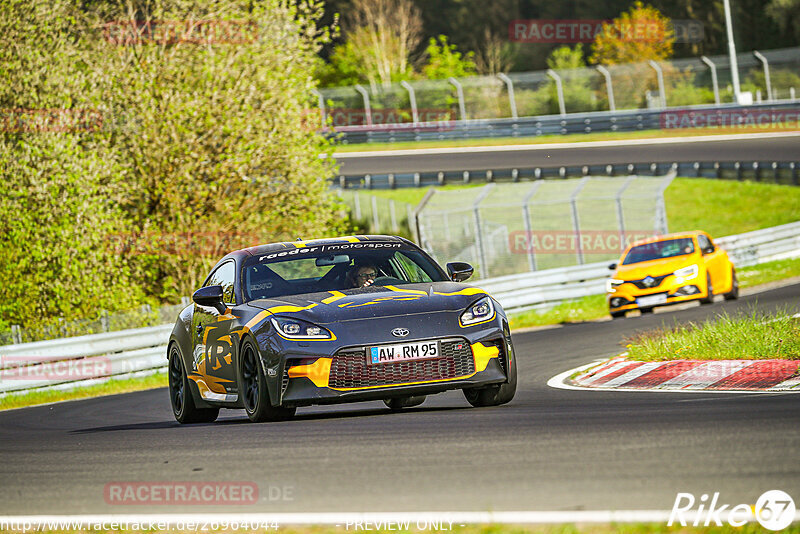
362, 275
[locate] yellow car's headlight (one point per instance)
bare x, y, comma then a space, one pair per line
686, 273
612, 284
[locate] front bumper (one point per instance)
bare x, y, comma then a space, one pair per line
342, 377
675, 290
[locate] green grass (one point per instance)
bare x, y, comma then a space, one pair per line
768, 272
724, 207
543, 139
575, 311
112, 387
751, 336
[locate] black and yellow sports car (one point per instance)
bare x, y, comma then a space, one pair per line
349, 319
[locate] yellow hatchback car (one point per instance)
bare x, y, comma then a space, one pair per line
669, 269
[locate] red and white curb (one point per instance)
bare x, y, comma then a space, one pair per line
683, 375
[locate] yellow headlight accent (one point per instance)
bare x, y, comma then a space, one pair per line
482, 355
318, 372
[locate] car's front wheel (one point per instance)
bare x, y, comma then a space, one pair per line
183, 406
709, 298
253, 389
494, 395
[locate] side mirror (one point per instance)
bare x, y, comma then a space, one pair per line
612, 266
459, 271
210, 296
709, 250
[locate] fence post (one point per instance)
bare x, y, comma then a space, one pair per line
576, 224
367, 107
621, 212
512, 101
413, 99
479, 241
321, 105
559, 90
763, 60
609, 87
104, 321
414, 224
714, 83
660, 75
16, 334
357, 206
462, 108
526, 215
393, 215
375, 219
661, 209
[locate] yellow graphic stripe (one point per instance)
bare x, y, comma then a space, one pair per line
466, 292
252, 323
483, 354
318, 372
290, 309
413, 291
349, 239
336, 295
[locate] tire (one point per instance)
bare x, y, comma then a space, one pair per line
398, 403
708, 299
645, 311
253, 388
494, 395
733, 294
617, 314
180, 396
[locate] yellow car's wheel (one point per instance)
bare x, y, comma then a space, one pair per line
708, 299
733, 294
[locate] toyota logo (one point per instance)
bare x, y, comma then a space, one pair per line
400, 332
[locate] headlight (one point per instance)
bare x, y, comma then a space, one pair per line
480, 311
612, 284
297, 329
687, 273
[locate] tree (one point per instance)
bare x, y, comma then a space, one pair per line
445, 61
203, 133
637, 35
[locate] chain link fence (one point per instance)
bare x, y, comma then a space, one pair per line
770, 76
520, 227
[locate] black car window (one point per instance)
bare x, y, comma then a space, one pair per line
703, 241
659, 250
224, 276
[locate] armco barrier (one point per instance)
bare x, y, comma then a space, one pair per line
762, 115
130, 352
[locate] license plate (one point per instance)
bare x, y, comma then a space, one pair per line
403, 352
652, 300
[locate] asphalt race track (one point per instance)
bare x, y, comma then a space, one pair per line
549, 449
782, 148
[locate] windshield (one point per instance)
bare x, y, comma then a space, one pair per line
333, 269
659, 250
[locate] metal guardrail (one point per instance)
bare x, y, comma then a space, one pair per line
572, 123
520, 292
779, 172
48, 364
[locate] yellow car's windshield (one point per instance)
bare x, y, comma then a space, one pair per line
659, 250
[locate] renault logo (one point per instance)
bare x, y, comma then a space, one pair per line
400, 332
649, 281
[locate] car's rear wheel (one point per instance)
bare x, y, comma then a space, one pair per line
497, 394
733, 294
709, 298
183, 406
253, 389
398, 403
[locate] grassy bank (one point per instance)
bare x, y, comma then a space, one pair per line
544, 139
112, 387
754, 336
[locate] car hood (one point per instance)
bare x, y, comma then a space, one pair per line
371, 302
636, 271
